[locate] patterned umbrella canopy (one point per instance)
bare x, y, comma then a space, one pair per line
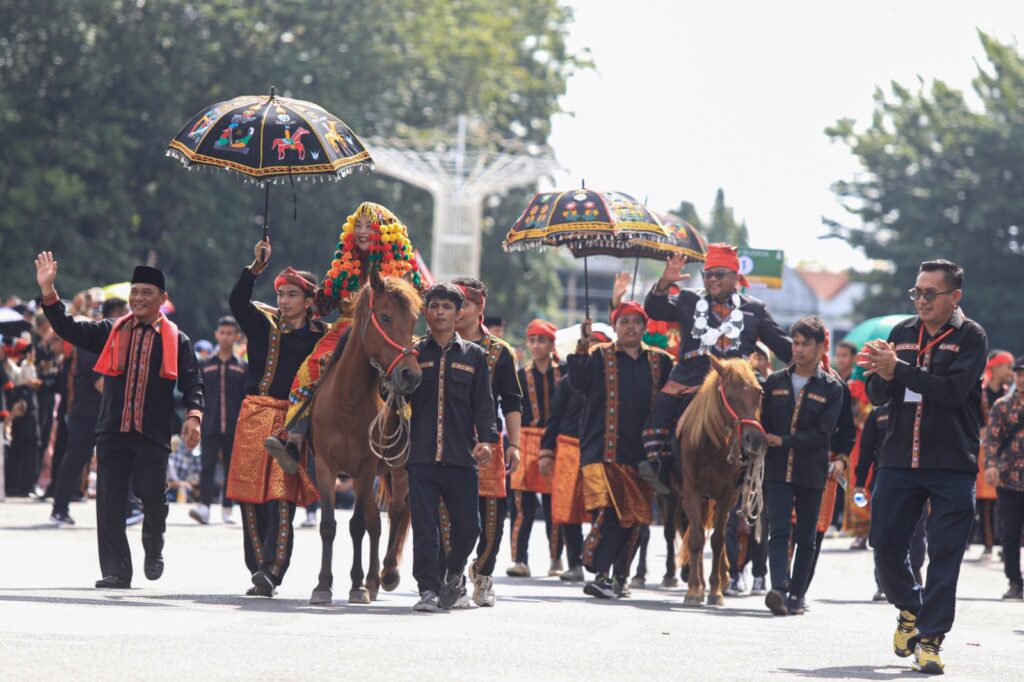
591, 223
265, 137
686, 240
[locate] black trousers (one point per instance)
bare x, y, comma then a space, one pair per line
610, 546
522, 527
492, 528
662, 421
60, 447
1011, 521
757, 552
573, 535
896, 507
81, 443
124, 457
459, 488
641, 563
268, 537
212, 445
781, 498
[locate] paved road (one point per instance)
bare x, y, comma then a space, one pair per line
194, 623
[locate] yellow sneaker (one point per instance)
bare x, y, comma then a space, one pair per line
906, 630
926, 656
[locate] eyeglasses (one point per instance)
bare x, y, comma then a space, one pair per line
718, 273
929, 295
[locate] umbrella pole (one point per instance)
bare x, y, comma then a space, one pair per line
636, 270
586, 288
266, 218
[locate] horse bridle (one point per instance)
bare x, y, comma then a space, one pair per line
738, 422
403, 351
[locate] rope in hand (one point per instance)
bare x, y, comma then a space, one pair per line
752, 495
396, 441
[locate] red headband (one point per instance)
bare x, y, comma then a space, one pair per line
473, 295
628, 308
541, 328
291, 276
1001, 358
600, 337
724, 256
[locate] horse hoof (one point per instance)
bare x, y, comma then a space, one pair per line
693, 600
389, 581
359, 596
373, 593
320, 597
716, 600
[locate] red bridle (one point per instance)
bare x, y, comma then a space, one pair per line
402, 350
738, 422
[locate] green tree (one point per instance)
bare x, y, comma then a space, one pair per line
721, 225
93, 90
943, 179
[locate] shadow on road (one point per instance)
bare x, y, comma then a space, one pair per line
854, 672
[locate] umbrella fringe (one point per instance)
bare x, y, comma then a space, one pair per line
335, 176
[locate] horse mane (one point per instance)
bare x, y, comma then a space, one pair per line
706, 416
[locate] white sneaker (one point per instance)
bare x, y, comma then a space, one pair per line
483, 590
556, 567
518, 570
427, 602
200, 513
227, 515
310, 521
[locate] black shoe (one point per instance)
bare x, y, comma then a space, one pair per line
620, 586
776, 603
61, 519
452, 591
113, 582
657, 474
795, 605
154, 568
600, 587
285, 453
1016, 591
262, 584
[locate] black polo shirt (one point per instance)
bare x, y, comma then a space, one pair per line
452, 409
223, 390
941, 430
803, 457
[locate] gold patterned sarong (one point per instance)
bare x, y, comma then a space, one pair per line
492, 476
567, 484
610, 484
254, 476
312, 369
528, 478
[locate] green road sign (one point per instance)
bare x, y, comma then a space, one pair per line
762, 267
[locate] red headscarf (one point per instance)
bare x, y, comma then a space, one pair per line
1000, 358
540, 327
291, 276
724, 256
628, 308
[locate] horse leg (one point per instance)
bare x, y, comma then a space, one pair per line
693, 507
399, 517
328, 530
719, 562
668, 504
357, 529
372, 516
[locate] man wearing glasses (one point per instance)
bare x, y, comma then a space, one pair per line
719, 321
929, 373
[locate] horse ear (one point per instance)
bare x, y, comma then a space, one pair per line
716, 364
375, 280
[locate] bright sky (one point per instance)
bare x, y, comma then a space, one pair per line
690, 96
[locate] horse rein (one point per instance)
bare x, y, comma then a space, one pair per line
403, 351
382, 443
738, 422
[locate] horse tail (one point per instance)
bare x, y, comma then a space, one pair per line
708, 515
385, 491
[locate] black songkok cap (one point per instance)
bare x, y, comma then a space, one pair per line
146, 275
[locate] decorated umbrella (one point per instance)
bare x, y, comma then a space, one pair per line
265, 138
590, 223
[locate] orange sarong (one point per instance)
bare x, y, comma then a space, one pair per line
828, 504
254, 476
983, 491
492, 476
610, 484
567, 487
527, 478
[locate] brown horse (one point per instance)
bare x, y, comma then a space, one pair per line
345, 404
717, 434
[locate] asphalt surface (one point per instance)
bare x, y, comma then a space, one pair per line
194, 622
